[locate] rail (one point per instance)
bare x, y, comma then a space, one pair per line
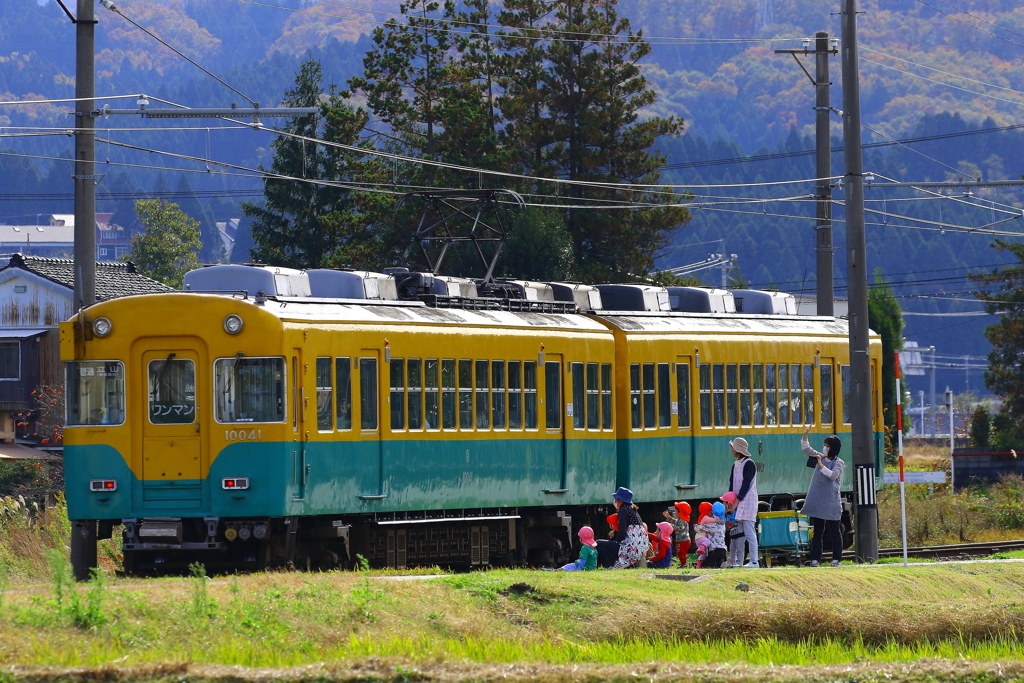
952, 552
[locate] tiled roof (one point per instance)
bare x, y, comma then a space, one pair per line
113, 278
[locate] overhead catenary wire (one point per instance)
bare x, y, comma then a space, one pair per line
948, 85
976, 28
945, 73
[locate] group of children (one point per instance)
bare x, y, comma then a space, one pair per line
713, 525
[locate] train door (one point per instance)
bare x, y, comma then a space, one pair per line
683, 481
300, 468
371, 469
174, 459
554, 418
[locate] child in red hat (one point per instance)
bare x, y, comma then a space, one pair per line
679, 517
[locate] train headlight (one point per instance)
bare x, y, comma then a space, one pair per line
232, 324
101, 327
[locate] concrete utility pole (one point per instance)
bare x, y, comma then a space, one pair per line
85, 156
823, 153
863, 438
823, 170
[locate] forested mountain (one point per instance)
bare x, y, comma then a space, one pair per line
712, 64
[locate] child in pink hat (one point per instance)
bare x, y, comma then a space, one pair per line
663, 556
588, 553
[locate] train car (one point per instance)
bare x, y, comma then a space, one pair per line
250, 431
253, 432
688, 383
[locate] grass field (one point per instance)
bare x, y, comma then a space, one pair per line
791, 623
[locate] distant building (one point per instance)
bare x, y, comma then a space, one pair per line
56, 239
35, 296
228, 231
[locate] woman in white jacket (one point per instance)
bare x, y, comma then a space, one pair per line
823, 504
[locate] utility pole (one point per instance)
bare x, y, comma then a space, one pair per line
823, 171
934, 414
823, 166
863, 437
85, 156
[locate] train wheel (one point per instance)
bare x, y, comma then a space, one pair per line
83, 548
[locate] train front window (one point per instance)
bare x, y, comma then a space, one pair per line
249, 389
95, 392
172, 391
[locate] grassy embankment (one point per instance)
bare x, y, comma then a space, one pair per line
789, 617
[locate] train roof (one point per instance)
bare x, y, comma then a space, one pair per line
632, 322
312, 311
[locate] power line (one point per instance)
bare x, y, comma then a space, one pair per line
945, 73
834, 150
948, 85
976, 28
1001, 28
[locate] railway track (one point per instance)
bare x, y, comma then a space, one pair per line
951, 552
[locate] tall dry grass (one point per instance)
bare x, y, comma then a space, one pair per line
28, 534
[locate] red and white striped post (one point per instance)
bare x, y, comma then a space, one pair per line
899, 441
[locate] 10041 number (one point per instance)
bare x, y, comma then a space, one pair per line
243, 434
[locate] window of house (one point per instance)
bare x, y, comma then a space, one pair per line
10, 360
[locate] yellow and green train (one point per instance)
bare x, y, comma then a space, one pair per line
243, 430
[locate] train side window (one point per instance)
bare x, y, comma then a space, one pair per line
606, 395
844, 374
515, 395
650, 398
324, 395
368, 394
249, 389
498, 393
759, 399
483, 401
343, 370
431, 398
414, 392
732, 398
465, 394
808, 394
593, 398
579, 400
705, 395
448, 404
718, 392
553, 394
530, 393
770, 385
795, 397
783, 376
825, 371
397, 398
683, 393
295, 394
745, 413
664, 396
634, 394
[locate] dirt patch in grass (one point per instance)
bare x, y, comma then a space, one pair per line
383, 671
